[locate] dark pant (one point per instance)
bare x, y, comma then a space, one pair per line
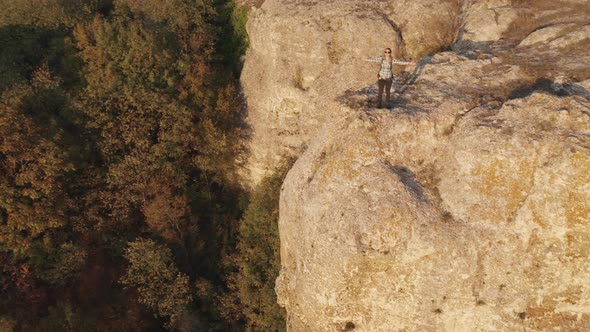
384, 84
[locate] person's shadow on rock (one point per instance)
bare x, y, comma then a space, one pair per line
411, 78
366, 98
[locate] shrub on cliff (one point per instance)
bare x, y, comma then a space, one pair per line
257, 261
444, 30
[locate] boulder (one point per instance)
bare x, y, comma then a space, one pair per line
545, 35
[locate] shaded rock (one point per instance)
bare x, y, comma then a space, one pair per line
577, 36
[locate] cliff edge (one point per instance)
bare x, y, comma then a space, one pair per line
465, 206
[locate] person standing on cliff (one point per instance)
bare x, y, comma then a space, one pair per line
385, 76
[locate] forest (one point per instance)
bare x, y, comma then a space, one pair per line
121, 139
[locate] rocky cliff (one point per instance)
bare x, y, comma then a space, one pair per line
465, 206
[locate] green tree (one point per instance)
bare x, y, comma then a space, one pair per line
57, 266
222, 133
132, 68
158, 282
258, 259
37, 210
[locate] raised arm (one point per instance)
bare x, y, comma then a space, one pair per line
375, 59
398, 62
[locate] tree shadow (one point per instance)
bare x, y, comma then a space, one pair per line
408, 179
245, 128
26, 47
548, 86
410, 79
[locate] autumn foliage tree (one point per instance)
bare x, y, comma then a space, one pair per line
36, 166
121, 132
154, 275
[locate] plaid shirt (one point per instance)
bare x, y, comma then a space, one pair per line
385, 71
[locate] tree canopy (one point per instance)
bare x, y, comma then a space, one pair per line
121, 134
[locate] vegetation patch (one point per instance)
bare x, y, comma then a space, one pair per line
443, 30
121, 132
257, 259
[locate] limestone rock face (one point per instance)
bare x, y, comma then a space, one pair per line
304, 55
449, 217
464, 207
486, 21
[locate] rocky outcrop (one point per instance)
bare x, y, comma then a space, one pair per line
441, 215
464, 207
302, 56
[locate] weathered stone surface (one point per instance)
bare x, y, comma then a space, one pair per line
465, 207
574, 37
562, 50
303, 55
546, 35
250, 3
486, 21
446, 218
